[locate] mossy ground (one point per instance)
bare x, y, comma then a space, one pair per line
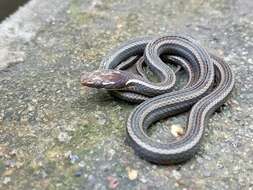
55, 134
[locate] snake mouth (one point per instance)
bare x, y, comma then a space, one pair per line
107, 79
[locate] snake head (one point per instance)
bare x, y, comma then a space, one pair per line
107, 79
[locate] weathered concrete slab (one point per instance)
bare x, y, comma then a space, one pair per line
54, 134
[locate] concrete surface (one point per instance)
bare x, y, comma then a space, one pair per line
55, 134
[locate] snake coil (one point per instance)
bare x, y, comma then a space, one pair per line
210, 81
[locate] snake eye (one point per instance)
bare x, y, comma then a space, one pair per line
108, 79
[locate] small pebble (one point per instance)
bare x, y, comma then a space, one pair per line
78, 173
143, 179
111, 153
176, 174
8, 172
64, 137
219, 165
112, 182
177, 130
6, 180
132, 174
200, 160
73, 158
81, 164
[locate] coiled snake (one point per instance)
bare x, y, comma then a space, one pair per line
210, 81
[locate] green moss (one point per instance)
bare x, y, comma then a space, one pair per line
82, 16
2, 167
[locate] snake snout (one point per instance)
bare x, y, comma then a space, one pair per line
91, 80
108, 79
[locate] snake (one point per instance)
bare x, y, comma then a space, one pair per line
210, 82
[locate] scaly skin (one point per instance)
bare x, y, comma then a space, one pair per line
158, 99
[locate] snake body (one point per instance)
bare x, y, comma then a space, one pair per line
210, 81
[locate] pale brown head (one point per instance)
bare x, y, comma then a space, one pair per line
107, 78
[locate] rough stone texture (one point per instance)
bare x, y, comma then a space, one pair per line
55, 134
